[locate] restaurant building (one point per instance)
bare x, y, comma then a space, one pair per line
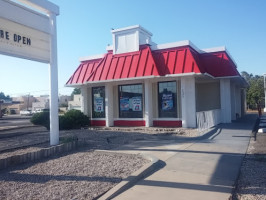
140, 83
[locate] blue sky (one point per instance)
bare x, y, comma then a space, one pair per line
83, 28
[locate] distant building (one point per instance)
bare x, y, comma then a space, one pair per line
63, 100
76, 103
41, 103
4, 103
25, 104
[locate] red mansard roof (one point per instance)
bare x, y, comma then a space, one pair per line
128, 65
219, 64
145, 62
176, 61
83, 72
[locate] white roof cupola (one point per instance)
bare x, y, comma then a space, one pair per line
129, 39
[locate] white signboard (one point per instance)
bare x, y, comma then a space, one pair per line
22, 41
24, 33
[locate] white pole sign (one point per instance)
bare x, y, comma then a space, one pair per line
22, 41
24, 33
28, 34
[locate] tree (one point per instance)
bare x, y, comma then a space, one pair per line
75, 91
3, 96
255, 91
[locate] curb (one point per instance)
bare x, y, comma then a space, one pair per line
133, 178
37, 155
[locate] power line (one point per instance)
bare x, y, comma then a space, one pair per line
36, 91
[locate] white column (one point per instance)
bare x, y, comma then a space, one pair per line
188, 101
90, 104
244, 102
54, 122
148, 104
84, 100
233, 101
238, 101
109, 111
225, 95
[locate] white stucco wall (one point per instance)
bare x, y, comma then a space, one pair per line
84, 100
109, 115
233, 101
148, 106
188, 101
155, 100
225, 95
238, 101
115, 102
89, 102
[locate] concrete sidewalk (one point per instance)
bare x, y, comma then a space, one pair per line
193, 169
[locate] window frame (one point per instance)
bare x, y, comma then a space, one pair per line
171, 114
142, 102
92, 105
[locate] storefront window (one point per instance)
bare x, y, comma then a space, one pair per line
167, 99
130, 101
98, 99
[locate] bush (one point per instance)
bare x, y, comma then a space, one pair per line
73, 119
42, 119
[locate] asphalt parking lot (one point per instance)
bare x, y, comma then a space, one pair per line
17, 131
9, 121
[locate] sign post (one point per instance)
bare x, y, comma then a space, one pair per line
28, 34
54, 122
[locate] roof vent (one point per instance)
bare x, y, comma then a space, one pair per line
130, 38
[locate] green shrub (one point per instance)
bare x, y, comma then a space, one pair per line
73, 119
42, 119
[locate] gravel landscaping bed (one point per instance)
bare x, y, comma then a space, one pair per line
81, 175
97, 138
251, 184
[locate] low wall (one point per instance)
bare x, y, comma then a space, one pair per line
207, 119
37, 155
